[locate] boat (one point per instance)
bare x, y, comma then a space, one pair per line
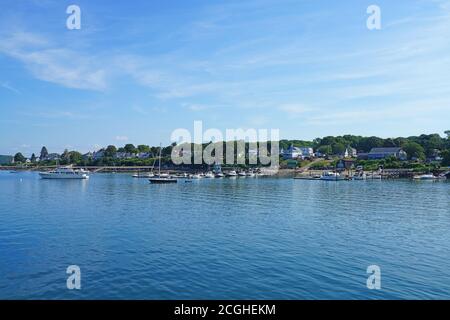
146, 175
217, 171
162, 178
209, 175
242, 174
428, 176
251, 174
65, 173
331, 176
359, 176
196, 176
231, 174
183, 175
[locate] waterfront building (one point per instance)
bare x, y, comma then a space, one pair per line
88, 156
52, 157
383, 153
297, 152
98, 154
349, 152
144, 155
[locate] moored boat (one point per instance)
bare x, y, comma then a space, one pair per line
425, 177
143, 175
359, 176
231, 174
162, 178
209, 175
331, 176
65, 173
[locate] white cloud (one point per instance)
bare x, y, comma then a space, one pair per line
49, 63
121, 138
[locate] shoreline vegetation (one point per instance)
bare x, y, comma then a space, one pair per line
424, 153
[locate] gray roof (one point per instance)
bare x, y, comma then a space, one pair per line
385, 150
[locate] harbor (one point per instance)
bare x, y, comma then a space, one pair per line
269, 237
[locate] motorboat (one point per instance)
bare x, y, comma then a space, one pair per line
428, 176
144, 175
209, 175
231, 174
65, 173
242, 174
331, 176
359, 176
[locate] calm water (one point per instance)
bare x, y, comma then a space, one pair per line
230, 239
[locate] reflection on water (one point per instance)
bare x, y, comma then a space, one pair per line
223, 238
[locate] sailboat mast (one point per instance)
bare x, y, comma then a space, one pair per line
160, 159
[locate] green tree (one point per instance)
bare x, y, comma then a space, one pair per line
33, 158
44, 153
389, 143
338, 148
414, 150
75, 157
366, 144
325, 149
110, 151
130, 148
446, 158
143, 148
19, 158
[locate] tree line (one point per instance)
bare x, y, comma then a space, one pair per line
417, 147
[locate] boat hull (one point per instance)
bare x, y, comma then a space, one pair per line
76, 176
162, 180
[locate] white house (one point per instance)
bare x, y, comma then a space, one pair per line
297, 152
124, 155
144, 155
350, 152
98, 154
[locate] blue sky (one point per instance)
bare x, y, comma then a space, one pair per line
137, 70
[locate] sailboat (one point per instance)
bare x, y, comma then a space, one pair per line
146, 175
162, 178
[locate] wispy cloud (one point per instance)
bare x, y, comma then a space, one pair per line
54, 64
7, 86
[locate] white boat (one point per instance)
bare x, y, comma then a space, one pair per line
231, 174
331, 176
196, 176
219, 175
65, 173
162, 178
359, 176
143, 175
251, 174
209, 175
242, 174
425, 177
182, 175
